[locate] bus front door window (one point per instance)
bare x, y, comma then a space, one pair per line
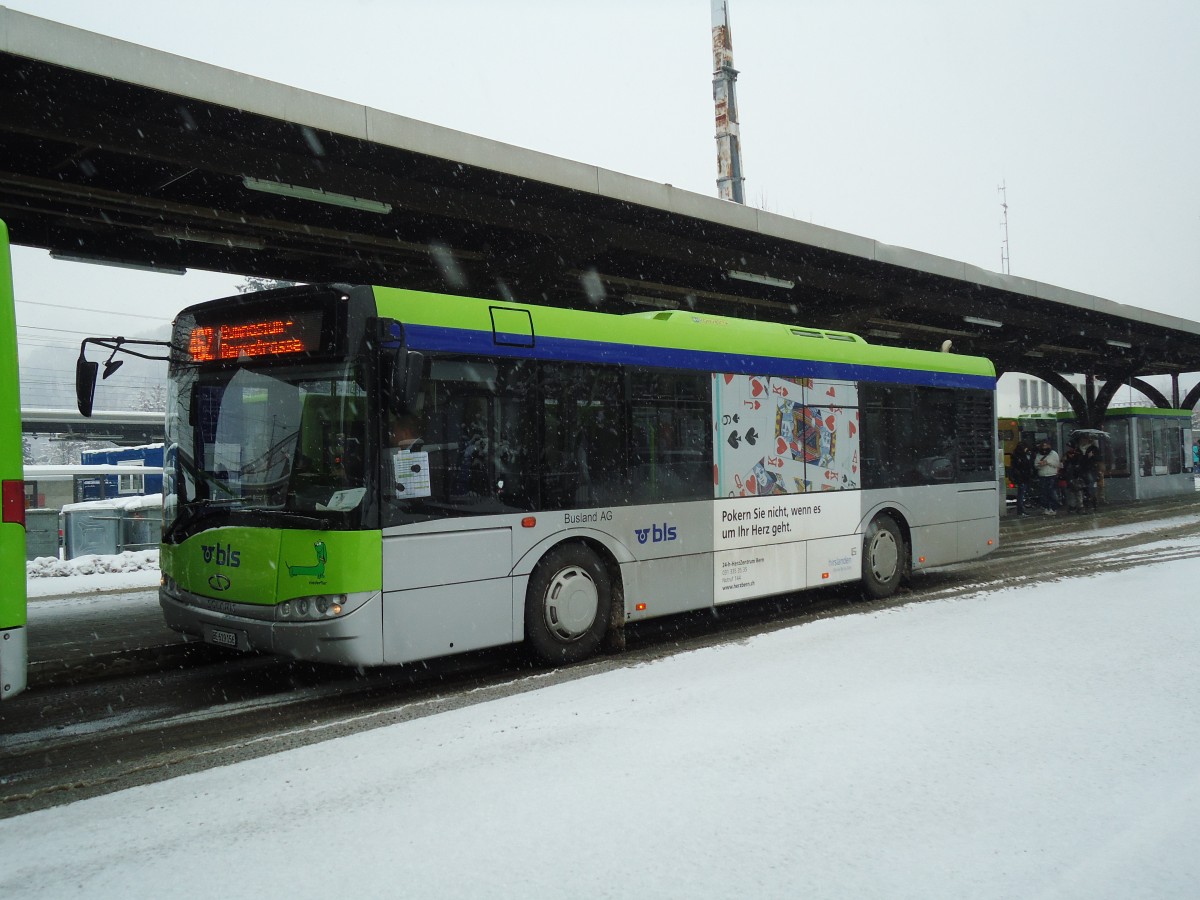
474, 429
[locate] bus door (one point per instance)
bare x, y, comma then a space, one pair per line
454, 486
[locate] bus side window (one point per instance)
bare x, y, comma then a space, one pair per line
477, 434
583, 437
672, 447
472, 475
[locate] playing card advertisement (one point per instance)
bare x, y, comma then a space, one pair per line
784, 435
775, 439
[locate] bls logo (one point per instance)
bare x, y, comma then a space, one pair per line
224, 556
658, 533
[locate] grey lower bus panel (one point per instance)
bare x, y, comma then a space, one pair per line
353, 639
428, 622
947, 523
934, 545
448, 592
672, 584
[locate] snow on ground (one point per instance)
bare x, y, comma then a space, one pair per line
152, 502
1033, 742
48, 576
1108, 532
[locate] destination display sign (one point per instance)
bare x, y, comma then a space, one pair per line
277, 336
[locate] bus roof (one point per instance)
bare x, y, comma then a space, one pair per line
670, 339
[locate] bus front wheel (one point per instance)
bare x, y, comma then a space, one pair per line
883, 557
567, 605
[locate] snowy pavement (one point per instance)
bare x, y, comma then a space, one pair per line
1040, 741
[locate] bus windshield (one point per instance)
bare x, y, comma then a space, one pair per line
282, 446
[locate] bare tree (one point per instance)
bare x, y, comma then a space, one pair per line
253, 283
66, 451
153, 398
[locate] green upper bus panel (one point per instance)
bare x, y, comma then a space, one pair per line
676, 339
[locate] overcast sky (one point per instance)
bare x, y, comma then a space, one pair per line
895, 121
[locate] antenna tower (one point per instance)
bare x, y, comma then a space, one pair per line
1004, 261
729, 150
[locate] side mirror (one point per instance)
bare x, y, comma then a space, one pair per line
85, 384
407, 380
86, 372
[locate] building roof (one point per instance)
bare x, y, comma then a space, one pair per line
119, 152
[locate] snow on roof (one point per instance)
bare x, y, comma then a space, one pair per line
53, 473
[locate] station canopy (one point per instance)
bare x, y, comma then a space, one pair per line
114, 152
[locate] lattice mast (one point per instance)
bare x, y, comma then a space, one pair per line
730, 183
1004, 261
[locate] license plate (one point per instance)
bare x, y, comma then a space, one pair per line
224, 638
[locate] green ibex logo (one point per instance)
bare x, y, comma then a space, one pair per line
317, 571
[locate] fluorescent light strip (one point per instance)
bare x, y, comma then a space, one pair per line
117, 263
209, 237
989, 323
316, 195
1122, 344
762, 279
657, 302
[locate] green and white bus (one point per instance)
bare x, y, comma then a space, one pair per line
14, 654
368, 475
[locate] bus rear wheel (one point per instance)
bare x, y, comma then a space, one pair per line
884, 554
567, 605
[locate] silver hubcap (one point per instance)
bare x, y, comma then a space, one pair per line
571, 603
884, 556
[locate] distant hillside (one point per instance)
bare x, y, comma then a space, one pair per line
48, 378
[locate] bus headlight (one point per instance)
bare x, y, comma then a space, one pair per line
311, 609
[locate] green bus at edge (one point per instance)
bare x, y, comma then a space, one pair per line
13, 638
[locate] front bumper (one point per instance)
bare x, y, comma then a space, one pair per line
352, 639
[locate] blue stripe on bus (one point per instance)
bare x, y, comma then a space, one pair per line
461, 340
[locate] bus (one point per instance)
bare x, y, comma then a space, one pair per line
372, 475
14, 653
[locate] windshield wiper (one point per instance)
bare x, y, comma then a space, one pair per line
294, 518
190, 514
195, 511
278, 454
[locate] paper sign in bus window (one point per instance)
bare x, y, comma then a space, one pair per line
412, 474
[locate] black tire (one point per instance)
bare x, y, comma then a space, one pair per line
567, 605
885, 558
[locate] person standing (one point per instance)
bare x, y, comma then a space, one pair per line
1022, 473
1046, 464
1072, 474
1090, 470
